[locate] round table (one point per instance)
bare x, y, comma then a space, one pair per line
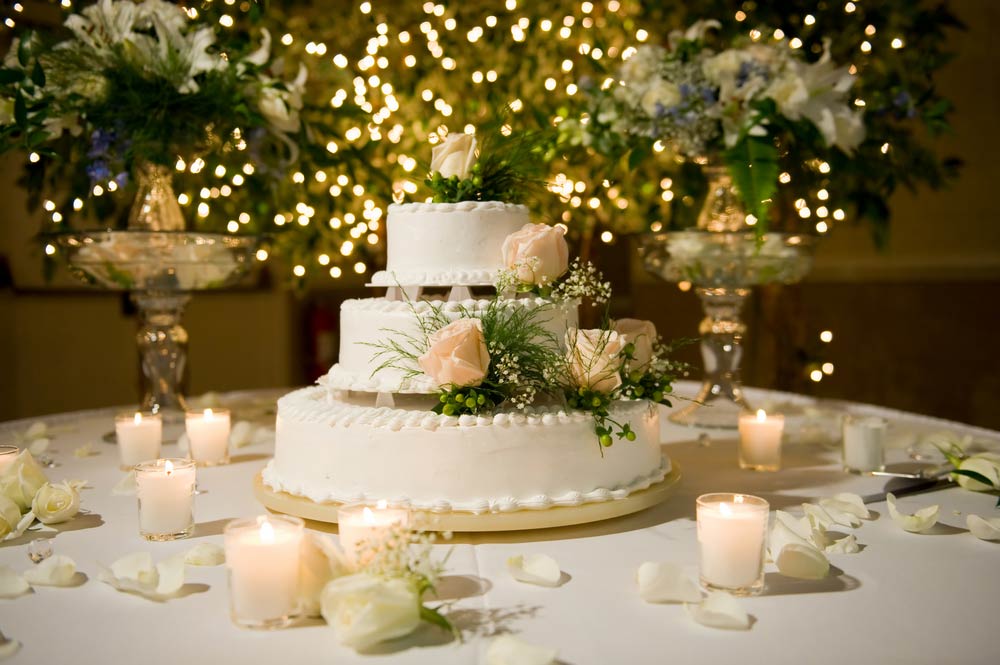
913, 598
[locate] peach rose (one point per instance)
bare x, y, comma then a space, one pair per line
454, 156
641, 334
457, 354
538, 253
594, 358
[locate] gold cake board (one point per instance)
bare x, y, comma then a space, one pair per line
557, 516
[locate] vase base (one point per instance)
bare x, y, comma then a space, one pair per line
713, 408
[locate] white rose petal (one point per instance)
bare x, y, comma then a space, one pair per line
802, 562
846, 545
539, 569
136, 573
509, 650
170, 575
39, 446
918, 522
785, 530
37, 430
848, 503
125, 486
986, 465
242, 434
9, 648
666, 583
137, 566
26, 520
205, 554
10, 515
720, 610
364, 610
320, 562
57, 570
86, 450
818, 517
984, 529
12, 585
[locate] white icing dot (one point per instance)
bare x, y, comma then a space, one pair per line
467, 420
501, 419
549, 419
534, 420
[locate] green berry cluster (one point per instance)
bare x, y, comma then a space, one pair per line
453, 189
598, 404
646, 386
458, 401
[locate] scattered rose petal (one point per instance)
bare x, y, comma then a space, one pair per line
125, 486
818, 517
86, 450
9, 648
720, 610
538, 569
12, 585
205, 554
849, 503
37, 430
785, 529
846, 545
666, 583
320, 561
170, 573
26, 521
510, 650
241, 434
803, 562
984, 529
136, 573
39, 446
57, 570
918, 522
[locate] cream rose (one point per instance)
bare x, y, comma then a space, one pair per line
537, 252
454, 156
56, 503
364, 610
21, 479
10, 515
457, 354
641, 334
594, 358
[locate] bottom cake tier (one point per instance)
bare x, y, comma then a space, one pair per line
343, 448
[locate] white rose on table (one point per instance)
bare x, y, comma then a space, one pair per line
537, 253
457, 354
594, 358
56, 503
640, 334
454, 156
21, 479
986, 465
10, 515
364, 610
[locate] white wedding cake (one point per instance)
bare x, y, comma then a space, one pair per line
376, 429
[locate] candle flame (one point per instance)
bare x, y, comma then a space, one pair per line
368, 516
168, 466
138, 417
208, 414
382, 504
725, 510
266, 532
761, 415
739, 498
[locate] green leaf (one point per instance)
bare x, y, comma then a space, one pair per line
24, 50
38, 75
975, 476
20, 111
637, 157
753, 164
433, 616
8, 75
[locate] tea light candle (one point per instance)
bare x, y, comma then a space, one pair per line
864, 443
208, 436
7, 456
262, 555
760, 441
139, 437
731, 535
165, 488
362, 526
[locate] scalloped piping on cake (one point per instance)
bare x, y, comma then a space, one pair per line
301, 406
434, 278
461, 206
484, 505
420, 306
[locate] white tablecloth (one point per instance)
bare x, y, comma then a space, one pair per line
932, 598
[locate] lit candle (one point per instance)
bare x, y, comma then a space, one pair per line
262, 555
864, 443
7, 456
363, 527
208, 436
165, 488
760, 441
731, 534
139, 438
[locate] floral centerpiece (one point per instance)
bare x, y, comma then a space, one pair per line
747, 107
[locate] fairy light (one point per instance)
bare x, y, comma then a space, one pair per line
335, 272
816, 375
299, 270
826, 336
50, 249
827, 368
896, 43
261, 255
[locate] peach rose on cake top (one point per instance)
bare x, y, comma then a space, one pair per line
537, 253
641, 334
454, 156
457, 354
594, 358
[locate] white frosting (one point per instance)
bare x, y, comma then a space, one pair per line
371, 320
436, 244
332, 450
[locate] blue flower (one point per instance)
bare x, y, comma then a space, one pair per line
98, 171
685, 90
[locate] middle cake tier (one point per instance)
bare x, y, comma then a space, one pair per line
368, 323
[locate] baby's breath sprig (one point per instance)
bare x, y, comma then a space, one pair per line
582, 281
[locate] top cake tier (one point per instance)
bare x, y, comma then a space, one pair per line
447, 244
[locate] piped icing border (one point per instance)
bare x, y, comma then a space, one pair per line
434, 278
420, 306
461, 206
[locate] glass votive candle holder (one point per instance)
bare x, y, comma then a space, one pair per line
262, 556
165, 489
139, 437
864, 443
364, 528
760, 441
208, 436
7, 456
732, 531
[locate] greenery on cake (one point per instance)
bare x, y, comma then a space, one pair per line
496, 163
